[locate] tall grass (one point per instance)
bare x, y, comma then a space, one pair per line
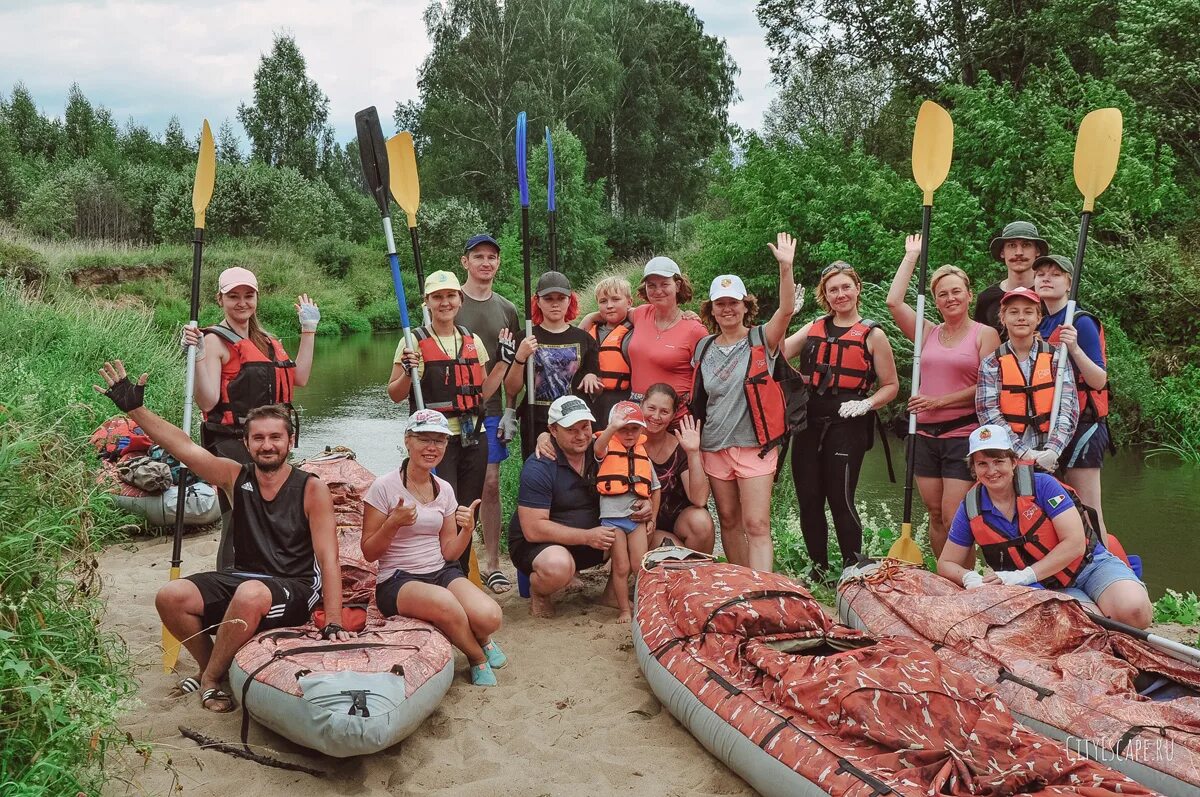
63, 681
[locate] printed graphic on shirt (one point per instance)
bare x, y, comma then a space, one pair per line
557, 366
1056, 500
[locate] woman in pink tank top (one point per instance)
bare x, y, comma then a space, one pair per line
950, 355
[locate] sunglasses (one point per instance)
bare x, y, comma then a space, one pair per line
836, 267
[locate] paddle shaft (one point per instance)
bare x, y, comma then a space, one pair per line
416, 247
189, 390
529, 373
918, 342
1189, 654
398, 286
1061, 356
552, 236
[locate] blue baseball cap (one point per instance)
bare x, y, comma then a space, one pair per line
476, 240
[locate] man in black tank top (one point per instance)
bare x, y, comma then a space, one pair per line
285, 542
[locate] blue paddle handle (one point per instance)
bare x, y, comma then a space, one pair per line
398, 284
522, 178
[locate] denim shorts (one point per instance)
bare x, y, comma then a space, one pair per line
1102, 572
497, 450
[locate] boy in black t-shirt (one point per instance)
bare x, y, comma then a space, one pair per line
1016, 247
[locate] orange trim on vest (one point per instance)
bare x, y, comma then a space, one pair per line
245, 383
838, 364
625, 468
1093, 404
451, 385
1026, 402
614, 364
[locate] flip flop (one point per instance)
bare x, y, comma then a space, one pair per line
185, 687
214, 694
497, 582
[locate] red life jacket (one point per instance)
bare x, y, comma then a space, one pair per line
765, 399
1037, 536
1025, 402
250, 379
452, 385
624, 469
839, 364
1093, 404
614, 361
119, 437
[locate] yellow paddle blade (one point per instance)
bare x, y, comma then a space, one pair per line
206, 175
1097, 150
933, 146
906, 549
406, 185
170, 644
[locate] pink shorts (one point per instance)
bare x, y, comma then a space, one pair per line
742, 462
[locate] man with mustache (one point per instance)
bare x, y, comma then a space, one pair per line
284, 542
1016, 247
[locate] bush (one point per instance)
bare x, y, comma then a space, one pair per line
22, 264
333, 255
638, 237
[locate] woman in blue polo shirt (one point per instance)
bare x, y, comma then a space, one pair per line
1031, 534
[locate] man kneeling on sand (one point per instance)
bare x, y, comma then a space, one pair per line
284, 538
556, 529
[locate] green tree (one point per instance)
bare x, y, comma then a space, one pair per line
33, 133
176, 149
228, 148
286, 123
79, 123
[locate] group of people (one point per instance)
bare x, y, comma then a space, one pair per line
639, 415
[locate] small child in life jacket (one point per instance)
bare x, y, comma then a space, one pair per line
624, 476
611, 330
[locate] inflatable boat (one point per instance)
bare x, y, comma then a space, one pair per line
799, 705
1108, 695
200, 507
354, 697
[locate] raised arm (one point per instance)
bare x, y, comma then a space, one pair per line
794, 344
905, 316
784, 250
696, 486
309, 316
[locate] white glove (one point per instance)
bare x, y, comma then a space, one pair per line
971, 580
853, 409
1017, 578
507, 428
310, 316
183, 342
1046, 459
799, 299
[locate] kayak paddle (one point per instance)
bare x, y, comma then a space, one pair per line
373, 153
1177, 650
932, 149
551, 209
527, 433
406, 190
202, 191
1097, 149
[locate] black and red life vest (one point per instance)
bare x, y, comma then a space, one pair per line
1093, 404
1025, 402
450, 384
614, 359
625, 469
839, 364
250, 379
1036, 534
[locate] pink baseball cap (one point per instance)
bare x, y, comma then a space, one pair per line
631, 411
233, 277
1020, 293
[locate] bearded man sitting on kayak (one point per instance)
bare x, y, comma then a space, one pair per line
1032, 534
284, 537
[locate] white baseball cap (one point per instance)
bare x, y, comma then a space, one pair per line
661, 267
441, 281
568, 411
727, 286
427, 421
233, 277
989, 438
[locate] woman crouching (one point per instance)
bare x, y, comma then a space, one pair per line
414, 527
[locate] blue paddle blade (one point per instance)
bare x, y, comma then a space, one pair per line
372, 150
522, 179
549, 172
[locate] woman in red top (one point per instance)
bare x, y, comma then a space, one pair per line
663, 341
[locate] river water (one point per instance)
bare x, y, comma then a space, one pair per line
1150, 502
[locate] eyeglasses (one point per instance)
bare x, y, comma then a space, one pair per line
431, 441
832, 267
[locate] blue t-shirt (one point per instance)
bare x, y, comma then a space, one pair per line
1088, 329
554, 485
1047, 493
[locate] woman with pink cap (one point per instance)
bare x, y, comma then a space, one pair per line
240, 366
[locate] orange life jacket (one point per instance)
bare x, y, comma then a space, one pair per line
614, 361
624, 469
1027, 402
250, 379
1093, 404
1037, 536
452, 385
838, 364
765, 400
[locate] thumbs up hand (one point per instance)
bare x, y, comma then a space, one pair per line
465, 516
404, 514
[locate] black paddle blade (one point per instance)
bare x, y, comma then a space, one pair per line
372, 150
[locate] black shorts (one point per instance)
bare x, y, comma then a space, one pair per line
386, 591
523, 552
1087, 447
292, 599
941, 458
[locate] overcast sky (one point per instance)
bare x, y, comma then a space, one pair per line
151, 59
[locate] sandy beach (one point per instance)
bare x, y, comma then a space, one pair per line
572, 714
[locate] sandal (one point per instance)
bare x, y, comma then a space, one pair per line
497, 582
185, 687
220, 696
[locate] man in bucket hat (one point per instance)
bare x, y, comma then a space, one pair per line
1017, 246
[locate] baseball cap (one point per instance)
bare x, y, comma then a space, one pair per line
631, 411
476, 240
727, 286
233, 277
427, 421
568, 411
989, 438
553, 282
1020, 292
1017, 231
441, 281
1055, 260
661, 267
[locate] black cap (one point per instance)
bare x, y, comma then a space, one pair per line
476, 240
553, 282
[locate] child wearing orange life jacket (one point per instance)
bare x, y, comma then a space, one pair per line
625, 476
611, 330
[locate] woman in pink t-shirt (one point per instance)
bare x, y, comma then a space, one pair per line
950, 355
415, 528
663, 340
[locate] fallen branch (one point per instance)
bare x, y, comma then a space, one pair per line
208, 742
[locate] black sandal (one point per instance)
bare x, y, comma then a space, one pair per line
497, 582
216, 694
